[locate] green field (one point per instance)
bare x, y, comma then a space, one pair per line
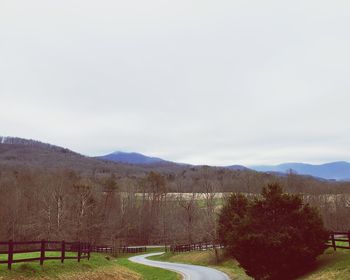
37, 255
99, 267
341, 243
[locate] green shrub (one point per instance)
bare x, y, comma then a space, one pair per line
274, 236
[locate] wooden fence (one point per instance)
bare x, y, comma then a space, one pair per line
336, 240
118, 250
82, 249
336, 237
193, 247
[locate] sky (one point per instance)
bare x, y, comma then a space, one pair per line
202, 82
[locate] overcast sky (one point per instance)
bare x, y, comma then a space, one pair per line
203, 82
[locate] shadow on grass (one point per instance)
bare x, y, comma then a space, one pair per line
331, 262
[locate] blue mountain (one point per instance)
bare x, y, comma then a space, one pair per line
339, 170
132, 158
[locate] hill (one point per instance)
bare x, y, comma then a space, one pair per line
237, 167
18, 153
131, 158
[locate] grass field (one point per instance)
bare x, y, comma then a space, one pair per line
98, 268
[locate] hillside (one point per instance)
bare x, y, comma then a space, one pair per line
131, 158
34, 154
237, 167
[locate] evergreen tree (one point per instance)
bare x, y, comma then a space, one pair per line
275, 236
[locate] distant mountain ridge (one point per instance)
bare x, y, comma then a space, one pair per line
28, 149
339, 170
237, 167
132, 158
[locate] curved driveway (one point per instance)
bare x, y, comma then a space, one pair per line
188, 271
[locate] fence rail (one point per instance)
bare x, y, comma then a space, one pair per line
118, 250
18, 247
336, 240
179, 248
83, 250
343, 237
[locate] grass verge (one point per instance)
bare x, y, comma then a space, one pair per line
332, 265
206, 258
329, 266
147, 272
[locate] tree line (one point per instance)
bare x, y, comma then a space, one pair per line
155, 207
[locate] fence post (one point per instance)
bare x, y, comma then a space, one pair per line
10, 254
42, 252
349, 238
89, 250
333, 242
63, 251
79, 251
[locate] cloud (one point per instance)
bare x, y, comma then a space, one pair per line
194, 81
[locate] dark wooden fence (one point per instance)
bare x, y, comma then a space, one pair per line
83, 250
118, 250
336, 237
13, 247
336, 240
179, 248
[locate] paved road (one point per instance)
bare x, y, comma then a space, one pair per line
189, 272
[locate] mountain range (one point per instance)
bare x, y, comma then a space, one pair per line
25, 149
339, 170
